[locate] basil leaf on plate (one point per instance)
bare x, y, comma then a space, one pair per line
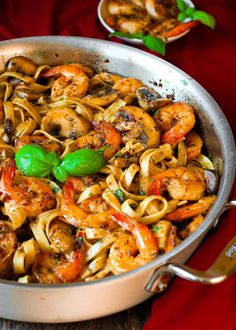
156, 44
153, 43
205, 18
126, 35
181, 5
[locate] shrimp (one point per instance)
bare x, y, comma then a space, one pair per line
50, 267
75, 215
65, 123
62, 235
176, 120
135, 123
156, 9
34, 195
193, 143
129, 24
72, 81
121, 7
170, 27
159, 29
123, 253
127, 85
104, 136
180, 182
2, 113
139, 3
40, 140
8, 245
179, 29
191, 210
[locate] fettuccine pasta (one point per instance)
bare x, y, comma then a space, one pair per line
58, 225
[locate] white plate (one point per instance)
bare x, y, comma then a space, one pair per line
103, 14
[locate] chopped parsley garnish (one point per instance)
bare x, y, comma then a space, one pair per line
120, 195
156, 229
56, 189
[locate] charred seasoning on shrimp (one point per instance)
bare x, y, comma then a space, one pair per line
104, 137
50, 267
152, 17
31, 193
75, 215
71, 81
123, 255
8, 245
99, 173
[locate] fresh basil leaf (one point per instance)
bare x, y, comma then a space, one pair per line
181, 17
153, 43
156, 44
181, 5
205, 18
127, 35
54, 159
32, 160
189, 11
83, 162
59, 173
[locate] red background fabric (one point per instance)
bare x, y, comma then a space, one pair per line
210, 58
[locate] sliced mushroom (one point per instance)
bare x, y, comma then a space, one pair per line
65, 123
104, 96
27, 94
212, 181
8, 244
149, 99
135, 123
21, 64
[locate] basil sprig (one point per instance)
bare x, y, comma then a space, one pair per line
80, 163
153, 43
32, 160
186, 12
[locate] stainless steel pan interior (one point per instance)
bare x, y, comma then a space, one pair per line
74, 302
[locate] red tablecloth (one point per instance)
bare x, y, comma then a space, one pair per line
210, 58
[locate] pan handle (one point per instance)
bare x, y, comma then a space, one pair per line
222, 268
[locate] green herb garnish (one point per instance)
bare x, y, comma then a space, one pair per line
192, 13
157, 112
109, 147
153, 43
56, 189
142, 193
80, 163
120, 195
156, 229
33, 160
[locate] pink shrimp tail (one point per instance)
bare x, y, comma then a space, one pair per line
145, 240
8, 175
124, 221
155, 187
68, 192
70, 270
